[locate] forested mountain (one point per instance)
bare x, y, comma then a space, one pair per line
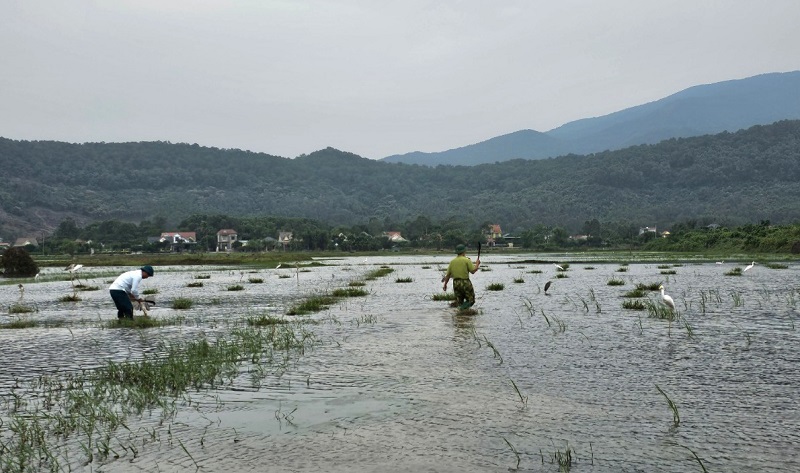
730, 178
704, 109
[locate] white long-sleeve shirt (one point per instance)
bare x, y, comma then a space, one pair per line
128, 282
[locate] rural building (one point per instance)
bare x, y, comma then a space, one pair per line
225, 239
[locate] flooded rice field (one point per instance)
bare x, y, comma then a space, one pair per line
397, 381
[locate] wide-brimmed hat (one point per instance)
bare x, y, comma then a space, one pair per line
147, 269
460, 249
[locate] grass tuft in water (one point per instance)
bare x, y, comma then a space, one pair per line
182, 303
734, 272
403, 280
653, 286
69, 298
634, 305
17, 324
18, 308
357, 284
150, 291
265, 321
635, 293
203, 276
195, 284
676, 418
495, 286
669, 271
312, 304
446, 296
255, 280
349, 292
615, 282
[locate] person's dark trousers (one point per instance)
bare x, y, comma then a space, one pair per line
123, 303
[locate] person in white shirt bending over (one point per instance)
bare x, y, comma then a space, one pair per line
125, 289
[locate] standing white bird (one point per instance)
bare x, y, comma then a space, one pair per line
36, 278
750, 266
720, 262
558, 267
667, 298
73, 267
279, 265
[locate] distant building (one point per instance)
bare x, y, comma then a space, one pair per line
493, 233
644, 230
178, 241
394, 237
284, 238
225, 239
25, 241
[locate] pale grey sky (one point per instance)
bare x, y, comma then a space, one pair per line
372, 77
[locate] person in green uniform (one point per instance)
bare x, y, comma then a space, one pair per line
459, 270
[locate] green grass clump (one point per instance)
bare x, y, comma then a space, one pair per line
447, 296
195, 284
664, 266
561, 276
18, 308
734, 272
349, 292
633, 305
535, 271
69, 298
378, 273
635, 293
622, 270
495, 286
615, 282
649, 287
182, 303
357, 284
403, 280
203, 276
669, 271
265, 321
519, 280
20, 323
660, 311
588, 268
255, 280
150, 291
285, 276
312, 304
776, 266
236, 287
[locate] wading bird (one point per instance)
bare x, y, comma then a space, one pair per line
73, 268
750, 266
546, 287
558, 267
667, 298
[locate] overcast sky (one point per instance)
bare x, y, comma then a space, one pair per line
371, 77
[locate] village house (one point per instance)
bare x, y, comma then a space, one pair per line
225, 239
394, 237
493, 233
284, 238
178, 241
25, 241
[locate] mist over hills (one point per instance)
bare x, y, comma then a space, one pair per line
728, 178
700, 110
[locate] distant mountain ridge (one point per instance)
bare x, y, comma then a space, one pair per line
704, 109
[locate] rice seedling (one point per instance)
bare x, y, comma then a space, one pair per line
69, 298
150, 291
357, 284
734, 272
255, 280
195, 284
284, 276
633, 305
514, 450
669, 271
702, 466
519, 280
365, 319
491, 345
236, 287
203, 276
445, 296
535, 271
564, 459
635, 293
403, 280
495, 286
17, 308
562, 275
622, 270
18, 324
615, 282
523, 399
676, 418
738, 300
588, 268
182, 303
349, 292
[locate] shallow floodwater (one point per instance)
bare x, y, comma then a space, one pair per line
400, 382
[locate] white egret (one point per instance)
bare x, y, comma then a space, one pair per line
667, 298
73, 269
279, 265
750, 266
36, 278
720, 262
558, 267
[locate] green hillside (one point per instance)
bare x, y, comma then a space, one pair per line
730, 178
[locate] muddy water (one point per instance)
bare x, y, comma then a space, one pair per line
399, 382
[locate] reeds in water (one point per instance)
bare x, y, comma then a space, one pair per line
195, 284
615, 282
633, 305
495, 286
182, 303
676, 418
403, 280
17, 308
444, 296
